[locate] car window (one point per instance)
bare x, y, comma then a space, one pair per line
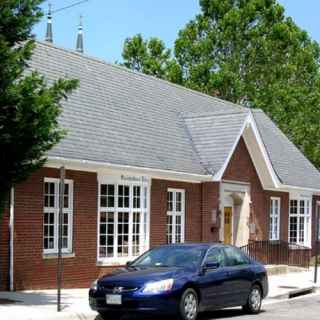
235, 257
168, 256
215, 255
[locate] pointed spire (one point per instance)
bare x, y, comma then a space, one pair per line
79, 46
49, 36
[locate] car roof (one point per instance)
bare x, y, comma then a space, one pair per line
200, 245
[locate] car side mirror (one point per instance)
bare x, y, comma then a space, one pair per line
128, 263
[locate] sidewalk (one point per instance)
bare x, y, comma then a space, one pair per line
39, 305
282, 286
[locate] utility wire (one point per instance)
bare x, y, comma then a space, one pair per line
69, 6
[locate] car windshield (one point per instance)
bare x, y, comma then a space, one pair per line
186, 257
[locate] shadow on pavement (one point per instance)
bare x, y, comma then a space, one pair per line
223, 314
218, 314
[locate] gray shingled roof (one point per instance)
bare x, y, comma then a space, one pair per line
213, 136
291, 166
122, 117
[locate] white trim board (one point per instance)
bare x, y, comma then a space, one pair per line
249, 123
95, 166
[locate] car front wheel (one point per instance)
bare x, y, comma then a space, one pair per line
189, 305
254, 301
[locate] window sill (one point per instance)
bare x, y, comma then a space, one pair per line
110, 263
114, 262
55, 255
295, 246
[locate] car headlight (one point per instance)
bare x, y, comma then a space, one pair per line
158, 286
94, 285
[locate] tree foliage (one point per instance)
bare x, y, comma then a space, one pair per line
150, 57
29, 108
249, 52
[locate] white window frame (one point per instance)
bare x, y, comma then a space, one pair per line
175, 213
55, 211
307, 215
274, 229
145, 218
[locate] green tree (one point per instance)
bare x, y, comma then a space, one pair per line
249, 52
150, 57
29, 108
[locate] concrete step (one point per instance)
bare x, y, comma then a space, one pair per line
273, 270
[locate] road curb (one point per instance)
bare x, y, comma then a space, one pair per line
295, 293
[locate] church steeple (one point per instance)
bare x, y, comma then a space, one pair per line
79, 45
49, 36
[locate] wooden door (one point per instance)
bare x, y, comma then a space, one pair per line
227, 225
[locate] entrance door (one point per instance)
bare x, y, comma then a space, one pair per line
227, 225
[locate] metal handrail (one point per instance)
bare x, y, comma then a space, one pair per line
278, 252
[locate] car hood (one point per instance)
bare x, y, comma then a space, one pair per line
138, 277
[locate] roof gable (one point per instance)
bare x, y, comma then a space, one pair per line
214, 136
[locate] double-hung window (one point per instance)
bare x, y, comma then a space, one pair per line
274, 219
123, 221
300, 222
51, 216
175, 215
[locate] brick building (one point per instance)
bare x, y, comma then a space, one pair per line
149, 162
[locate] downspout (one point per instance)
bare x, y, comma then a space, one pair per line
11, 238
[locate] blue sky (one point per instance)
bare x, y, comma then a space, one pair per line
107, 23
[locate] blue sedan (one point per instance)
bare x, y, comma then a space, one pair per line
182, 279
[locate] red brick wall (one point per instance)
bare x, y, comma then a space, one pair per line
241, 169
158, 218
4, 250
210, 202
31, 270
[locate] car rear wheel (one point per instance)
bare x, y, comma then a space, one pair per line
189, 305
254, 301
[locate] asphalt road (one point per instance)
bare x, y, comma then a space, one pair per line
306, 308
302, 308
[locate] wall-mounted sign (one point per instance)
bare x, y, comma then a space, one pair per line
134, 179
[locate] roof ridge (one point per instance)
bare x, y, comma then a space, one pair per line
125, 69
206, 168
210, 115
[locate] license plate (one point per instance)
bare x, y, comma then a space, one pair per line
113, 299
